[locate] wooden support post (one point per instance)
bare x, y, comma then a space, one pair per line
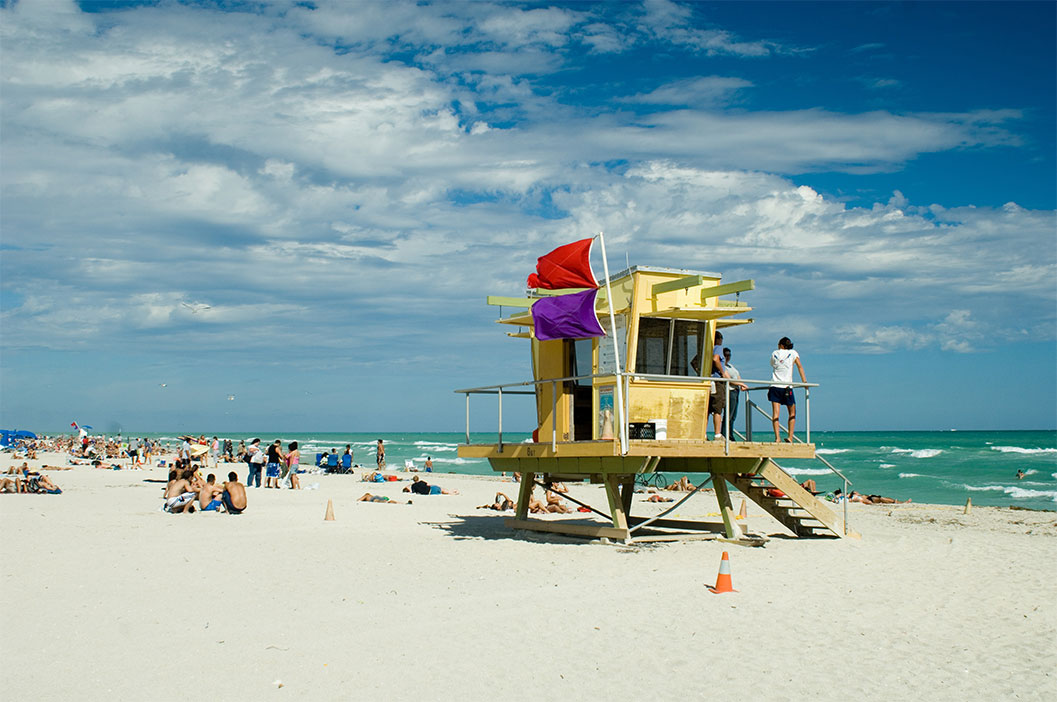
525, 494
627, 490
616, 504
725, 508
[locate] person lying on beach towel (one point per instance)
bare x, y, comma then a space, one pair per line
658, 498
12, 484
421, 487
42, 484
368, 497
869, 499
502, 503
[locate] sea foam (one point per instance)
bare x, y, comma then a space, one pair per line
831, 451
807, 471
918, 453
1017, 493
1018, 449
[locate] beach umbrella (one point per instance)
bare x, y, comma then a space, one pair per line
23, 434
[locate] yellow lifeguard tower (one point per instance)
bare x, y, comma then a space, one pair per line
633, 404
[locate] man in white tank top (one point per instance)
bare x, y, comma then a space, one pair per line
781, 393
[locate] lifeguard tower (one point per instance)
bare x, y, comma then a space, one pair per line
633, 403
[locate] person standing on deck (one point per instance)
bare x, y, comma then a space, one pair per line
735, 390
781, 392
717, 399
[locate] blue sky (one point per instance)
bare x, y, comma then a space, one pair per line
301, 206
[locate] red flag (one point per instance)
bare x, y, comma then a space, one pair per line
567, 266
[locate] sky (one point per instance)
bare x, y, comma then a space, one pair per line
286, 216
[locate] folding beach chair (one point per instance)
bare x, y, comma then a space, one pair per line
346, 463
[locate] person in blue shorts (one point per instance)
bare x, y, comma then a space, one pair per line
781, 391
421, 487
209, 495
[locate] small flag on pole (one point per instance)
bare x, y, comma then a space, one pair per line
567, 266
566, 316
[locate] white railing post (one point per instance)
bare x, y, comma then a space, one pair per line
467, 419
554, 416
807, 411
726, 417
500, 420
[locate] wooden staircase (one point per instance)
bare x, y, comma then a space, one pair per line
799, 511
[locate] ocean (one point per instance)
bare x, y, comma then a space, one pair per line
939, 467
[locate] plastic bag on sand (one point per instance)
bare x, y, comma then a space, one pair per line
313, 486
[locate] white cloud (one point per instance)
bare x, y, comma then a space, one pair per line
175, 155
705, 91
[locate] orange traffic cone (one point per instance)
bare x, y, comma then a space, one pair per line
723, 583
330, 511
744, 512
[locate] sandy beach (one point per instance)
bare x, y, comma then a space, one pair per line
109, 598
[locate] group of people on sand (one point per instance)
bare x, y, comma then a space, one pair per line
278, 467
553, 503
186, 491
20, 479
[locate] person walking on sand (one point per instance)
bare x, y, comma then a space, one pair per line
380, 455
781, 392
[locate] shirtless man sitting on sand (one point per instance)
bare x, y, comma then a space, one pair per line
209, 495
179, 496
234, 494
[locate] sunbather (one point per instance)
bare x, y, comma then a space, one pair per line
421, 487
209, 495
555, 503
502, 503
179, 496
368, 497
658, 498
234, 495
683, 484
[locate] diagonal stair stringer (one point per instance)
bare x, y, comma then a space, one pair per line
816, 509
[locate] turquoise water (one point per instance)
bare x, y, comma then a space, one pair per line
938, 467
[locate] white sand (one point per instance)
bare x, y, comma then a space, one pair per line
108, 598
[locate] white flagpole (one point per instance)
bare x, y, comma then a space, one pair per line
616, 352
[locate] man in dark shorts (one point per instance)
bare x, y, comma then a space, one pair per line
783, 360
234, 496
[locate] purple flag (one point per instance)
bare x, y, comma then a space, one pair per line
566, 316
